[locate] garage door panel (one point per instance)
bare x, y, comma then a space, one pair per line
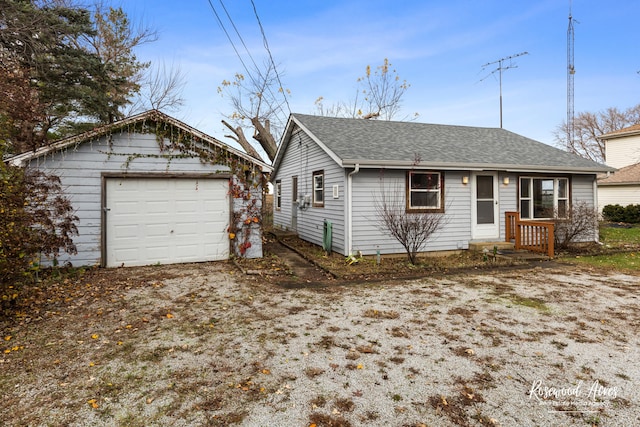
153, 220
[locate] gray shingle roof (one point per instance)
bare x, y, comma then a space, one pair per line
370, 142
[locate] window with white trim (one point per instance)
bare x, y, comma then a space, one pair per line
544, 198
278, 191
318, 189
424, 191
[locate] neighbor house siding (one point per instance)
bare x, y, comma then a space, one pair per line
623, 151
80, 169
370, 236
302, 158
618, 195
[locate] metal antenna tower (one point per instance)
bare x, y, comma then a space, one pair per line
500, 69
571, 71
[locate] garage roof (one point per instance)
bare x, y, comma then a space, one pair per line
148, 116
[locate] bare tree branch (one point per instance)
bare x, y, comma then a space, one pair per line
238, 136
258, 100
160, 89
378, 95
589, 127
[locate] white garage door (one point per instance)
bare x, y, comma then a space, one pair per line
163, 220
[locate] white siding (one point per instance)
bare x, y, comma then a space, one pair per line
80, 169
623, 151
618, 195
302, 158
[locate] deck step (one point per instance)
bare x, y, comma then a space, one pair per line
480, 246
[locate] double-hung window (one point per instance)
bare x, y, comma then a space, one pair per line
544, 198
424, 191
318, 189
278, 191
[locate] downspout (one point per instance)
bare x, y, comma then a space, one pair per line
350, 207
596, 233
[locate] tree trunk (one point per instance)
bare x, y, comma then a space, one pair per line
264, 137
242, 140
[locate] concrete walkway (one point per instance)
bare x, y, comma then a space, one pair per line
304, 272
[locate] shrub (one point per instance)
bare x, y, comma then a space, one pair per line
412, 230
617, 213
35, 218
632, 214
580, 221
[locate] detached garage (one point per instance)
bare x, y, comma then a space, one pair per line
152, 190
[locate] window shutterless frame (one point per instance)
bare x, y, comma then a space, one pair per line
425, 191
318, 189
278, 195
543, 197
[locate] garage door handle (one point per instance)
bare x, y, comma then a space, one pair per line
106, 209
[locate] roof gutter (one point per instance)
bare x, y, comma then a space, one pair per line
390, 164
350, 208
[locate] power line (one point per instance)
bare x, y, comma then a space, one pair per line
229, 38
266, 45
238, 33
246, 68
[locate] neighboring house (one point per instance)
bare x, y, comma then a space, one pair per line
333, 169
150, 189
622, 151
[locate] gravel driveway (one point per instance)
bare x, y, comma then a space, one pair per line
203, 345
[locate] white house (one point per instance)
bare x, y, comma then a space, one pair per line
622, 151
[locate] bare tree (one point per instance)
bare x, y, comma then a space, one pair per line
258, 103
588, 127
160, 89
411, 229
378, 95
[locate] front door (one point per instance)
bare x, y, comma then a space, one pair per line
485, 208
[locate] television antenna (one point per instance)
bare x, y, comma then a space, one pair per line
501, 66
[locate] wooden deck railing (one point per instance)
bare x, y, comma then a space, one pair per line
534, 236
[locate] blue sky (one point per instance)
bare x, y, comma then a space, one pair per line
438, 46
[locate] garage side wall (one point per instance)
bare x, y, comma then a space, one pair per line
80, 169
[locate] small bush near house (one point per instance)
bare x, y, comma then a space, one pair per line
580, 221
35, 218
617, 213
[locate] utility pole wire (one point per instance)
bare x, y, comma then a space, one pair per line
500, 69
244, 65
229, 38
266, 45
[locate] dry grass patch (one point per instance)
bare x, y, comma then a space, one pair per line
381, 314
